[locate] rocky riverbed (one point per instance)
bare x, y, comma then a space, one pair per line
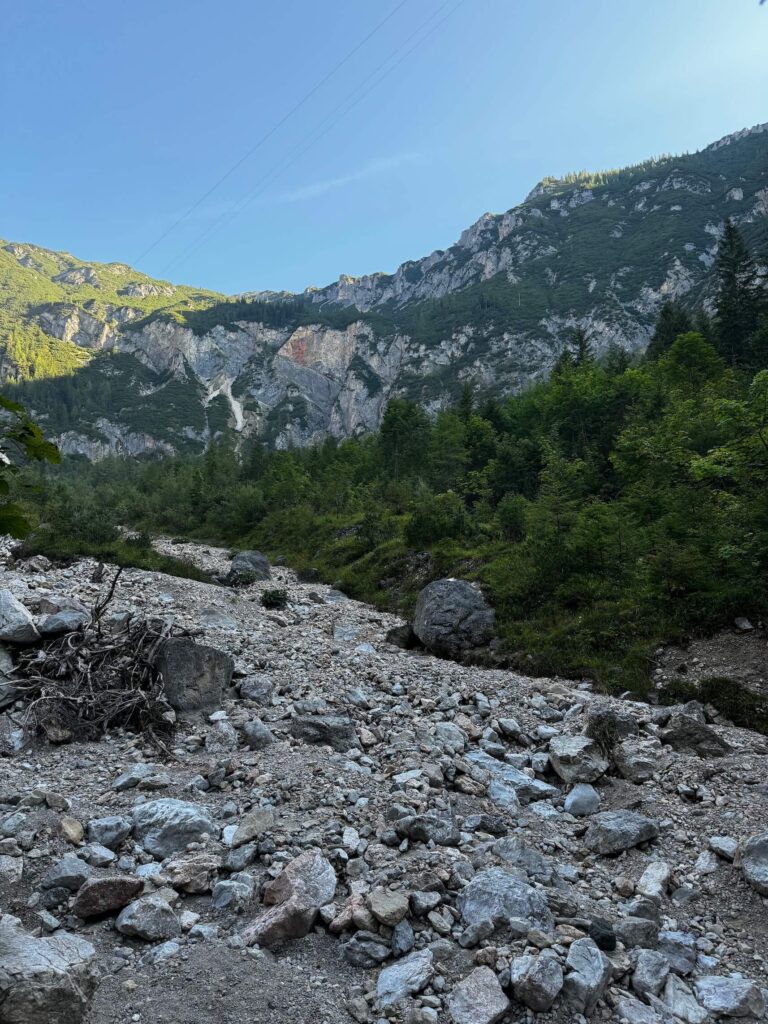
354, 832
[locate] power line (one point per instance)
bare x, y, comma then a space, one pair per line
268, 135
241, 204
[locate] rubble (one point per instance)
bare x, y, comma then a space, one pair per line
369, 832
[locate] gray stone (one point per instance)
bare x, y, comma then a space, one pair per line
754, 862
636, 931
536, 980
68, 873
233, 893
44, 980
253, 824
686, 733
111, 831
365, 949
257, 735
582, 801
680, 1000
478, 999
680, 949
452, 618
335, 731
195, 676
16, 623
404, 978
637, 760
248, 567
150, 919
496, 895
434, 826
576, 758
59, 623
167, 826
724, 846
730, 997
221, 737
611, 832
588, 971
634, 1012
654, 881
258, 688
143, 776
386, 906
651, 972
523, 787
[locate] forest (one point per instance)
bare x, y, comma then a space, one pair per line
617, 505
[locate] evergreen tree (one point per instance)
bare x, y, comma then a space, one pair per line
583, 351
737, 304
672, 321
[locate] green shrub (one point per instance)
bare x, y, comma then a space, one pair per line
274, 599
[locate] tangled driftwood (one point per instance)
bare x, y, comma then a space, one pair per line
93, 679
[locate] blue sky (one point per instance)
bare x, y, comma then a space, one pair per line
117, 118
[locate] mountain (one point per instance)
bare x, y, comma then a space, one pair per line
112, 361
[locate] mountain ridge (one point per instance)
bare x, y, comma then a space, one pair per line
124, 364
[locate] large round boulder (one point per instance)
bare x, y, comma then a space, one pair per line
452, 618
248, 567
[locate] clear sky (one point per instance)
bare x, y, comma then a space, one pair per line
118, 117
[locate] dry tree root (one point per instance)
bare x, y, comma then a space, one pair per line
88, 681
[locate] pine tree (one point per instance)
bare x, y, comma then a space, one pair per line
672, 321
582, 347
737, 304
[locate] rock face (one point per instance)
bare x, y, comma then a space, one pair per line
195, 675
44, 981
247, 567
306, 380
452, 618
166, 826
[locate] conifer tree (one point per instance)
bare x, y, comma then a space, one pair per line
737, 304
672, 321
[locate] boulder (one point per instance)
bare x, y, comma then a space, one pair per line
452, 618
478, 999
536, 980
404, 978
576, 758
306, 884
44, 980
257, 735
59, 623
496, 896
688, 734
335, 731
193, 874
248, 567
582, 801
730, 997
150, 919
167, 826
637, 760
389, 908
99, 896
111, 831
252, 825
611, 832
68, 873
195, 675
588, 971
16, 623
754, 862
651, 972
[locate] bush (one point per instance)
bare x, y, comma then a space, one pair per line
274, 599
439, 517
